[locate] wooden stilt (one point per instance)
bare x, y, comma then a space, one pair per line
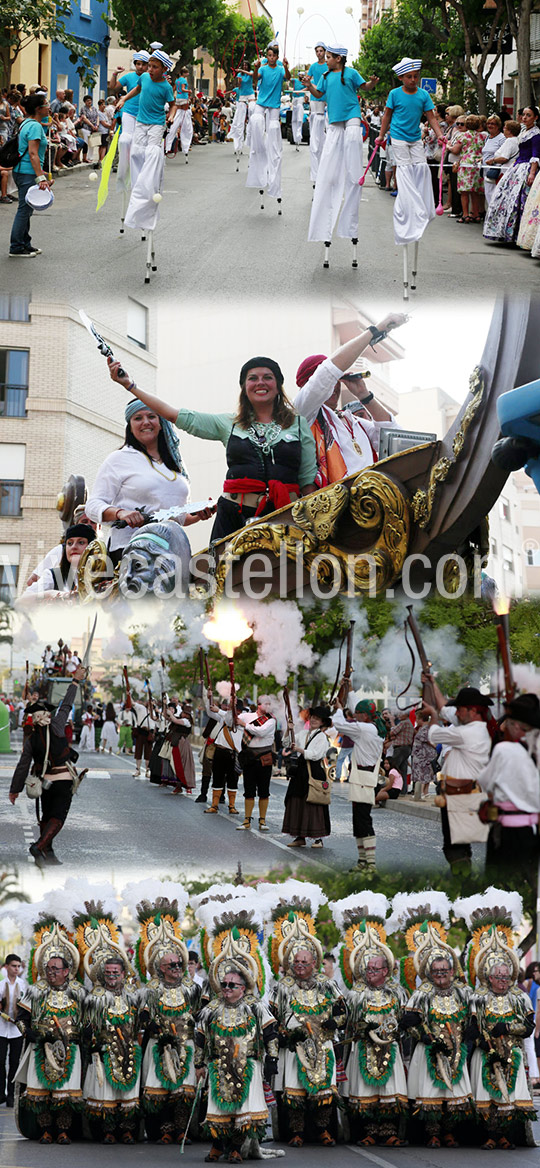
262, 196
279, 206
414, 269
354, 256
327, 247
150, 258
405, 274
125, 201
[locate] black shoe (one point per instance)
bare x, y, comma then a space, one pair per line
51, 857
9, 1102
201, 799
38, 856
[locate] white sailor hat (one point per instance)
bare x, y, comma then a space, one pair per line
273, 45
142, 55
320, 45
337, 50
156, 45
159, 56
407, 65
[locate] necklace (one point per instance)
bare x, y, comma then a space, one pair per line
153, 464
264, 435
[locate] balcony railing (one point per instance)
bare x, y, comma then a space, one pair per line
13, 400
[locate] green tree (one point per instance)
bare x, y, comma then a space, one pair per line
399, 34
23, 23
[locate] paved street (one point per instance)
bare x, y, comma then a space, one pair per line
16, 1152
213, 240
118, 823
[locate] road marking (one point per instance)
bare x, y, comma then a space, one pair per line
370, 1156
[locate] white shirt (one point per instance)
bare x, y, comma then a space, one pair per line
469, 746
51, 560
509, 149
512, 777
224, 718
261, 736
10, 993
129, 479
350, 431
141, 717
318, 746
368, 743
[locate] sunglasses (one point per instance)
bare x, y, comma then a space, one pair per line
231, 985
173, 965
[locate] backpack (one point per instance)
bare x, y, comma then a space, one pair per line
9, 152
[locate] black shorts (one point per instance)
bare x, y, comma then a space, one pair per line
256, 779
224, 773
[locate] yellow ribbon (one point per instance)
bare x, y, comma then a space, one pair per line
106, 170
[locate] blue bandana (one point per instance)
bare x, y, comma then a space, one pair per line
171, 441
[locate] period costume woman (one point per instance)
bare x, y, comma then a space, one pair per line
304, 819
506, 207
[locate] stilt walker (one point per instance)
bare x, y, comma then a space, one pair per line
340, 168
414, 207
264, 170
317, 115
244, 111
129, 114
297, 111
183, 120
147, 156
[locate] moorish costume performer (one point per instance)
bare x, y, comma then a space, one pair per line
264, 169
437, 1016
169, 1004
309, 1011
51, 1012
235, 1033
376, 1088
270, 450
340, 167
502, 1016
130, 112
147, 156
54, 779
112, 1082
317, 112
503, 219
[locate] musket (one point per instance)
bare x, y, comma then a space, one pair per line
128, 702
205, 672
25, 690
502, 625
290, 720
346, 682
233, 693
86, 659
428, 689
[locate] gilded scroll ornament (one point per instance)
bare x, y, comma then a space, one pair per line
422, 502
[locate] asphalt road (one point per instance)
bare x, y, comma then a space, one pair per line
16, 1152
213, 240
118, 823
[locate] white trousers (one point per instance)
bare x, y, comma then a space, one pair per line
183, 121
242, 117
339, 172
317, 131
414, 207
147, 165
264, 169
124, 151
297, 119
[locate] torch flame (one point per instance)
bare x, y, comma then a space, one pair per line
501, 605
229, 629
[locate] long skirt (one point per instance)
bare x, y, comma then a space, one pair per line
317, 131
519, 1099
252, 1112
152, 1084
361, 1094
506, 207
70, 1091
183, 121
340, 170
426, 1094
308, 820
99, 1096
147, 165
264, 169
297, 119
414, 207
288, 1079
87, 740
530, 220
124, 152
109, 736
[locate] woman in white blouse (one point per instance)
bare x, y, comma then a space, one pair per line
146, 472
305, 820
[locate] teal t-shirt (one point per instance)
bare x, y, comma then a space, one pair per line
153, 96
245, 84
182, 89
341, 97
270, 86
407, 109
316, 71
297, 86
30, 131
129, 81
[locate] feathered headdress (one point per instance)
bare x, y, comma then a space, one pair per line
493, 912
44, 926
230, 933
96, 932
360, 917
422, 917
290, 909
160, 907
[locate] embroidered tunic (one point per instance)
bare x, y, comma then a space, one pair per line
375, 1072
308, 1014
